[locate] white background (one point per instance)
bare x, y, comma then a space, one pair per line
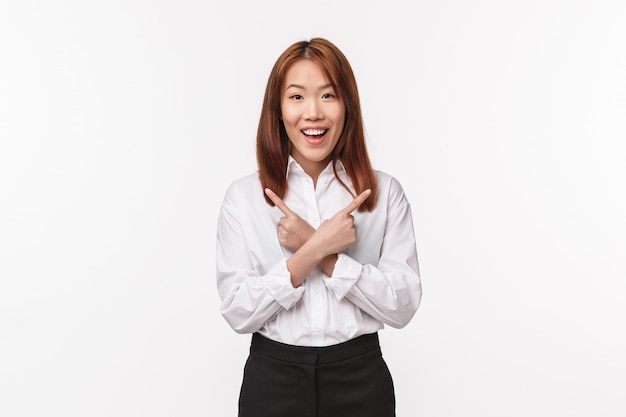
123, 122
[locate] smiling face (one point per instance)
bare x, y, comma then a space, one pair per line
313, 115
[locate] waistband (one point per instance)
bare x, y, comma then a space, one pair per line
314, 355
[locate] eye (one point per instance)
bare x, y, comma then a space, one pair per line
296, 97
328, 96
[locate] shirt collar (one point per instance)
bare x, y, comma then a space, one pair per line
293, 167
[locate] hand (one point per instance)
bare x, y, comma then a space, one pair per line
312, 247
338, 232
293, 231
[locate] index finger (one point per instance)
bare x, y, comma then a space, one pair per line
356, 203
278, 202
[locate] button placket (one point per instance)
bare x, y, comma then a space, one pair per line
313, 216
317, 309
315, 285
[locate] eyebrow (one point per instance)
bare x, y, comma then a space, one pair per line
323, 87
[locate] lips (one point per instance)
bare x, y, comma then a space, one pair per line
314, 136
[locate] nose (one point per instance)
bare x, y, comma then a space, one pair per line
313, 111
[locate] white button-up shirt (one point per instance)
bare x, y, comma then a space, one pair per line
374, 282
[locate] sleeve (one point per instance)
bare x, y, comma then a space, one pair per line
249, 299
390, 291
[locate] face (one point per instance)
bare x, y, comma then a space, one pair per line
313, 115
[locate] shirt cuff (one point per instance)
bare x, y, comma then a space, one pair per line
345, 274
278, 284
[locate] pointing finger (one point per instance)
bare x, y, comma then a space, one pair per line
356, 203
278, 202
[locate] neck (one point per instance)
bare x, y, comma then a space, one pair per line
313, 168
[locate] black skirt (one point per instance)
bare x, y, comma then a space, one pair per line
343, 380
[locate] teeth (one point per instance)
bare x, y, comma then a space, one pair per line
314, 132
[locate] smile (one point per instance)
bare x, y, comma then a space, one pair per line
314, 137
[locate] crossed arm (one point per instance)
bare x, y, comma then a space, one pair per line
312, 247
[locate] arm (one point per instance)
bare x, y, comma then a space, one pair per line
390, 290
249, 298
311, 247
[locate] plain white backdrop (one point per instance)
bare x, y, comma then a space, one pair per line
123, 122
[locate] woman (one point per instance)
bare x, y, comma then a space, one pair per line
316, 251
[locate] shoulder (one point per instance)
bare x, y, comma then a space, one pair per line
245, 182
242, 188
387, 182
390, 189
